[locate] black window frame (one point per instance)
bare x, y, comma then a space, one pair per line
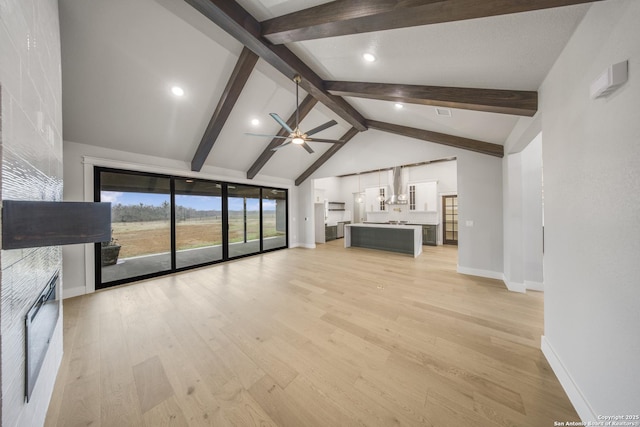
98, 170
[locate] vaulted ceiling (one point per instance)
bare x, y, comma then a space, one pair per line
482, 59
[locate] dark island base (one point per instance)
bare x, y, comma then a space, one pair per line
393, 240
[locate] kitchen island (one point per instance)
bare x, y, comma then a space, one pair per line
406, 239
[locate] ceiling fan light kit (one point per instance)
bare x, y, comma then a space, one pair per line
296, 136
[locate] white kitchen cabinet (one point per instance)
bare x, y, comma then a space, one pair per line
372, 204
423, 196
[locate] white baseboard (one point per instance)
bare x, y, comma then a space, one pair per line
303, 245
481, 273
73, 292
580, 403
534, 286
514, 286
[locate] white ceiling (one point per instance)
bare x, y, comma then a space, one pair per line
121, 57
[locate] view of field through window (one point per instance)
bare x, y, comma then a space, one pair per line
141, 224
143, 207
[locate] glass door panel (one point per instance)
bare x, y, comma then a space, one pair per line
198, 222
274, 218
244, 219
141, 224
450, 219
162, 224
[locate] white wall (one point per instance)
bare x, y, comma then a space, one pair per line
78, 175
31, 137
591, 157
479, 186
513, 224
522, 189
306, 234
532, 214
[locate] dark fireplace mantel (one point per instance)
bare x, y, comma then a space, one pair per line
30, 224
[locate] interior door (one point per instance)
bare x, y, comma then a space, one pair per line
450, 220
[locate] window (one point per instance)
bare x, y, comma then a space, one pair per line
198, 222
412, 197
162, 224
244, 220
140, 224
274, 218
382, 199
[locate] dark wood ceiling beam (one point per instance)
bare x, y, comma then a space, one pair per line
327, 155
232, 91
440, 138
343, 17
306, 106
236, 21
521, 103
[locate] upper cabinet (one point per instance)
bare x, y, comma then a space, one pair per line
372, 204
423, 196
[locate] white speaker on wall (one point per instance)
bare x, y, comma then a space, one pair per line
610, 80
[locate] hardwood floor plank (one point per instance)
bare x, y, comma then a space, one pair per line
167, 413
82, 402
405, 412
282, 373
198, 404
245, 370
300, 337
279, 406
151, 383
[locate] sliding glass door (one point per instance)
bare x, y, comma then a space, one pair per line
163, 224
141, 226
274, 218
244, 220
198, 222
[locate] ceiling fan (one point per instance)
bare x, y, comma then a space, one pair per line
296, 136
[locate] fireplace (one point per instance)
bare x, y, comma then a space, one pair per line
40, 322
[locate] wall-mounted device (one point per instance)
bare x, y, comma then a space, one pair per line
610, 80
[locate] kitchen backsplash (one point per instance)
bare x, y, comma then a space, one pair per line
337, 216
403, 215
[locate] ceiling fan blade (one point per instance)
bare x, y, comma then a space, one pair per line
322, 127
268, 136
284, 144
306, 147
282, 123
332, 141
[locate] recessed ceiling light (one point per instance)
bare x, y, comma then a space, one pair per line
369, 57
399, 106
255, 122
177, 91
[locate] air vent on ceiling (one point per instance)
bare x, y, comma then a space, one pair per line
444, 112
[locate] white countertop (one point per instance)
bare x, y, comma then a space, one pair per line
403, 226
409, 223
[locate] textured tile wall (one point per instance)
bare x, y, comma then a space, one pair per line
31, 152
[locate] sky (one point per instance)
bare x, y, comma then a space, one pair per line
196, 202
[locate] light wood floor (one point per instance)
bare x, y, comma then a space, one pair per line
324, 337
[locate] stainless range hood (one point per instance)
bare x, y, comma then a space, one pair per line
398, 196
